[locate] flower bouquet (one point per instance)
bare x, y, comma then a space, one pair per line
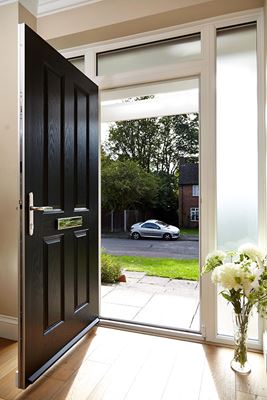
242, 274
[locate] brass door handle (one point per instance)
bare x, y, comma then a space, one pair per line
32, 208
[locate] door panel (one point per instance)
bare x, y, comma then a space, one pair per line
59, 267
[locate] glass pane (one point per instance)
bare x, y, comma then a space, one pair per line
237, 154
78, 63
149, 55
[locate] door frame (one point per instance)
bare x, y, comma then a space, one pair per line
204, 68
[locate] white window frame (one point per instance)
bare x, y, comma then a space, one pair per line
195, 190
204, 69
194, 211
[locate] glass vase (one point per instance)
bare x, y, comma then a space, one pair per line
239, 363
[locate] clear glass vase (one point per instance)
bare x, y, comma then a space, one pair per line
239, 363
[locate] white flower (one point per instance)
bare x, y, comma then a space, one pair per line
217, 255
228, 275
254, 275
252, 252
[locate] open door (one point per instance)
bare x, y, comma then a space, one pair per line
59, 284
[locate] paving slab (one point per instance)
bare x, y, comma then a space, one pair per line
168, 310
195, 324
133, 274
128, 296
184, 290
182, 283
118, 311
154, 280
148, 288
105, 289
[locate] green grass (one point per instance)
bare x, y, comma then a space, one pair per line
189, 231
164, 267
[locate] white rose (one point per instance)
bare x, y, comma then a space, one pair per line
228, 275
251, 251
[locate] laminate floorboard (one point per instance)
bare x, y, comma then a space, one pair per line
109, 364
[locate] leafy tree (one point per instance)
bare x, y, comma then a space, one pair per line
178, 139
125, 185
133, 140
167, 192
156, 144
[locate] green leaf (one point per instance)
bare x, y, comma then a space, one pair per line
226, 296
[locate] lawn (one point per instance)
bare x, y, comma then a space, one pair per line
189, 231
164, 267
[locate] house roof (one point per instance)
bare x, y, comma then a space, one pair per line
188, 174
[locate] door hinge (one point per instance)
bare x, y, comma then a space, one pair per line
203, 330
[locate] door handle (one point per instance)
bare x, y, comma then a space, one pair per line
45, 208
32, 208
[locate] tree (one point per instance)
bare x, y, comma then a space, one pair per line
125, 185
133, 140
156, 144
178, 140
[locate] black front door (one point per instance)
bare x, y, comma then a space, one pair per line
59, 207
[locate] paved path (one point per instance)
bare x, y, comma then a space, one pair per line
152, 300
151, 248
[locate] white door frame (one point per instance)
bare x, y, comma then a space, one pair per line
204, 68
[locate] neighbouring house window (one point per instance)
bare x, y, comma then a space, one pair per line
194, 214
195, 190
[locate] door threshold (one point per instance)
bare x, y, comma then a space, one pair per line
152, 330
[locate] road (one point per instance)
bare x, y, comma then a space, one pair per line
151, 248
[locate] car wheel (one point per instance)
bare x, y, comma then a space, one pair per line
136, 235
167, 236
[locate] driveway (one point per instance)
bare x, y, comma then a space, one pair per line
151, 248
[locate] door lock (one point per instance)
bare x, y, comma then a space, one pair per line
32, 208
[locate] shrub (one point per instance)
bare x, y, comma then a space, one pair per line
110, 269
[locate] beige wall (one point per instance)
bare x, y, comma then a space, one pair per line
109, 19
26, 17
8, 160
10, 16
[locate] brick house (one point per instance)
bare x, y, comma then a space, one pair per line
188, 196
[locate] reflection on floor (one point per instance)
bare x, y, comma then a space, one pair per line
153, 300
110, 364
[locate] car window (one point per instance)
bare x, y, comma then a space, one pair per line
149, 225
162, 223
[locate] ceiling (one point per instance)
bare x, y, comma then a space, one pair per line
44, 7
49, 6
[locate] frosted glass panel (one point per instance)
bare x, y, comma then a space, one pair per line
78, 63
237, 154
149, 55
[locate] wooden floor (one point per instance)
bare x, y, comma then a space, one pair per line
112, 364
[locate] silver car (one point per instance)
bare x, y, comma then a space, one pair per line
153, 228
